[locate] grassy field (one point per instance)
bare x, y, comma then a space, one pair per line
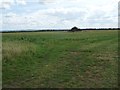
87, 59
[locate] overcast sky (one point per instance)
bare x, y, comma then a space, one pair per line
58, 14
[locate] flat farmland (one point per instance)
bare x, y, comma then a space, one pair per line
86, 59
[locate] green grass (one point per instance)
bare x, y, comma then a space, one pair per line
87, 59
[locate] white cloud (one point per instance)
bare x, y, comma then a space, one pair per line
47, 1
33, 20
65, 14
21, 2
1, 21
62, 10
6, 4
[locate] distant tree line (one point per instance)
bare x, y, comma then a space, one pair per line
74, 29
